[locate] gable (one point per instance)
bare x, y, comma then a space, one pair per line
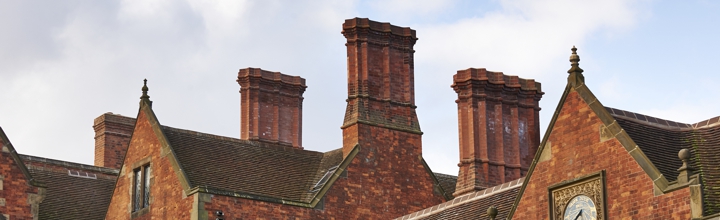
578, 148
167, 189
584, 139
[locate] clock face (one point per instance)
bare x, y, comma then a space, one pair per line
580, 208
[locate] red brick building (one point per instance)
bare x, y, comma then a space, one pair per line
597, 162
594, 161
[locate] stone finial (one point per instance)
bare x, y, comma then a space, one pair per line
574, 62
145, 97
685, 170
492, 212
576, 77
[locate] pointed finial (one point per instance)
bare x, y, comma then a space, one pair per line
144, 90
574, 62
145, 98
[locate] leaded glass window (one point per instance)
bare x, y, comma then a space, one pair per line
141, 187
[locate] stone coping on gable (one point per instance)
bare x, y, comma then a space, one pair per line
662, 123
66, 164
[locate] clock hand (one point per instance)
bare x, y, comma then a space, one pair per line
579, 215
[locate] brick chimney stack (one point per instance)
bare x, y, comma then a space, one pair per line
498, 120
271, 107
381, 91
112, 137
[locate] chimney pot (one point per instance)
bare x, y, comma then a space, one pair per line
271, 107
112, 137
498, 127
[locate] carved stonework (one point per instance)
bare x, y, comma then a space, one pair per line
591, 186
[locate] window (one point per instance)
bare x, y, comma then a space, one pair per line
324, 179
141, 187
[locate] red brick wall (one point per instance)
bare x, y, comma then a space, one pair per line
14, 189
577, 151
167, 199
386, 179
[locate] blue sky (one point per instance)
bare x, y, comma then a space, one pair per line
66, 62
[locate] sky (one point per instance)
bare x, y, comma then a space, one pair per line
63, 63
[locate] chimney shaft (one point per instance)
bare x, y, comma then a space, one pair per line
112, 137
271, 107
498, 127
381, 91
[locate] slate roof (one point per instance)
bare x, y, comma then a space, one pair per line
73, 191
473, 205
447, 182
250, 167
661, 140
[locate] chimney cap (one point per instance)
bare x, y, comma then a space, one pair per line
378, 26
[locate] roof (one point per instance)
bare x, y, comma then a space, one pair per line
661, 140
447, 182
473, 205
250, 167
73, 191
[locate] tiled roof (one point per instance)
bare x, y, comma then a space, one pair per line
473, 205
661, 140
250, 167
73, 191
447, 182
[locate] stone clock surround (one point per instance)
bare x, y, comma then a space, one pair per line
592, 186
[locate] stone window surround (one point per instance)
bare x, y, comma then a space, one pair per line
141, 164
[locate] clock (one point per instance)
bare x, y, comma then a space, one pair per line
579, 199
580, 208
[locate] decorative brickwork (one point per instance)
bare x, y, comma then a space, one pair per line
498, 119
112, 136
381, 89
381, 120
271, 106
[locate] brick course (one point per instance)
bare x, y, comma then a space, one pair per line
576, 151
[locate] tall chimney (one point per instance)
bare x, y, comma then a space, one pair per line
381, 91
112, 137
498, 122
271, 107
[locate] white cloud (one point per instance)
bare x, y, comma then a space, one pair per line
70, 62
525, 38
410, 8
